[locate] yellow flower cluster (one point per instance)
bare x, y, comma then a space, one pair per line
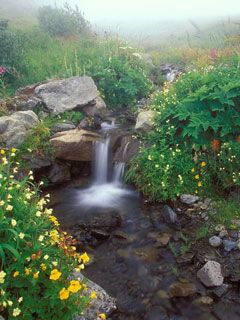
73, 287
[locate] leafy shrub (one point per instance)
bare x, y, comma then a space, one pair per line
224, 165
36, 258
62, 22
203, 106
164, 171
122, 79
12, 47
198, 115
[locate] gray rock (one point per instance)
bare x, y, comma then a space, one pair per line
145, 120
103, 304
220, 291
188, 199
13, 129
211, 274
59, 173
96, 108
59, 127
229, 245
170, 216
36, 161
215, 241
67, 94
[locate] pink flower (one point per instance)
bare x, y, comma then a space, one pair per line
213, 53
2, 70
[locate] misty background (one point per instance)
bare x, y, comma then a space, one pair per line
142, 20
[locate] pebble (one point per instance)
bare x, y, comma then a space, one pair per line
229, 245
182, 289
223, 233
211, 274
215, 241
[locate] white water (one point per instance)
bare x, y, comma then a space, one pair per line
107, 189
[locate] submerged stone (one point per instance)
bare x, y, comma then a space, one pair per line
182, 289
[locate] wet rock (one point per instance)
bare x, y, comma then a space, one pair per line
170, 216
14, 128
75, 145
90, 123
205, 300
100, 234
162, 240
156, 313
182, 289
96, 108
229, 245
215, 241
188, 199
37, 161
145, 120
186, 258
225, 310
103, 304
220, 291
59, 173
211, 274
59, 127
128, 149
67, 94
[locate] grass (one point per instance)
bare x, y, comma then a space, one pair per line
226, 211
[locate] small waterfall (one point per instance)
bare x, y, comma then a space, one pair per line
118, 172
101, 161
107, 189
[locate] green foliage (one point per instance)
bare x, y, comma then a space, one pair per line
12, 46
38, 138
163, 172
226, 211
199, 116
203, 106
36, 258
62, 22
122, 79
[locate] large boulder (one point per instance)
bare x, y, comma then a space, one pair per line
95, 108
62, 95
145, 120
75, 145
13, 129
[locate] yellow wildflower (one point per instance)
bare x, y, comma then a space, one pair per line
203, 164
46, 257
102, 316
197, 176
4, 161
21, 235
64, 294
193, 170
93, 295
36, 275
9, 207
28, 271
2, 203
85, 258
199, 184
2, 151
16, 273
43, 266
74, 286
54, 220
14, 150
55, 275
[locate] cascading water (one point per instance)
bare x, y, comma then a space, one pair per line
107, 189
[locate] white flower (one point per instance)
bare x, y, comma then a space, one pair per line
2, 276
46, 257
16, 312
40, 238
21, 235
13, 222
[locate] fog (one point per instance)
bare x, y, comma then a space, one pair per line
138, 16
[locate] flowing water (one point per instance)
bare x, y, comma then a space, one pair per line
125, 239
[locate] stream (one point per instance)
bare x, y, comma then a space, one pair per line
136, 254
